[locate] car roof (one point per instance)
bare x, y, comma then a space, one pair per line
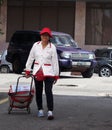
103, 49
109, 48
38, 31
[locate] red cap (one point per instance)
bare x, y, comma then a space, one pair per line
46, 30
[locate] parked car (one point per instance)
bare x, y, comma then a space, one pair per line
104, 62
5, 66
0, 58
71, 58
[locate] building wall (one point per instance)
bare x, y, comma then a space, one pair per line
3, 26
78, 25
98, 25
34, 15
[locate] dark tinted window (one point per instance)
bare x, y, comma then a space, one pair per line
111, 55
22, 39
102, 53
105, 54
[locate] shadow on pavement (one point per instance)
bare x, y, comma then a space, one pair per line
62, 77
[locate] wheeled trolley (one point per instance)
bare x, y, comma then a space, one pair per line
20, 95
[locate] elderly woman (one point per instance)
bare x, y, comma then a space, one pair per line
44, 55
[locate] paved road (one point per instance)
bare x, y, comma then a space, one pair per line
80, 104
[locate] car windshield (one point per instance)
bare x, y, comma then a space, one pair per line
63, 40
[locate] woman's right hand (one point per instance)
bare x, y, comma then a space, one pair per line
27, 74
55, 81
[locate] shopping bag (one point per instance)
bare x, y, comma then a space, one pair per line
39, 75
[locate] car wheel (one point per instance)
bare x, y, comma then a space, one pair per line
88, 73
104, 72
4, 69
17, 67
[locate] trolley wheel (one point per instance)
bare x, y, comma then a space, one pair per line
9, 110
28, 110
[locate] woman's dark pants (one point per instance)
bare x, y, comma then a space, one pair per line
48, 84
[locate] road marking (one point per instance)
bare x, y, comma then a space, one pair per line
3, 101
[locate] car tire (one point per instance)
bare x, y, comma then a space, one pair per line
88, 73
17, 67
4, 69
105, 71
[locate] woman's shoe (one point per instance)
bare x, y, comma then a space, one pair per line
50, 115
40, 113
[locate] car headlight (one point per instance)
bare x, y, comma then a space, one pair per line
66, 54
91, 56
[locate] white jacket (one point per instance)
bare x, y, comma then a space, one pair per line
45, 58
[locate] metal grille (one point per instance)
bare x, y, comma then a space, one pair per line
80, 56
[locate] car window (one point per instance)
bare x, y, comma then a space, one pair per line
102, 53
105, 54
63, 40
111, 55
24, 39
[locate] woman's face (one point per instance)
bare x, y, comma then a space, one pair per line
45, 37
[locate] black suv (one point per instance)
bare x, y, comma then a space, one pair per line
71, 58
104, 62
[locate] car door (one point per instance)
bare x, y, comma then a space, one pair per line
111, 58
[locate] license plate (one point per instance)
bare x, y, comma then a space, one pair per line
81, 63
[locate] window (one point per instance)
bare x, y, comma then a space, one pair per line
63, 40
99, 24
111, 55
23, 39
105, 54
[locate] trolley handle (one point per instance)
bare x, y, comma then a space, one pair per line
23, 76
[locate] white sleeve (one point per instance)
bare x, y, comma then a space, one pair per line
30, 58
55, 62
